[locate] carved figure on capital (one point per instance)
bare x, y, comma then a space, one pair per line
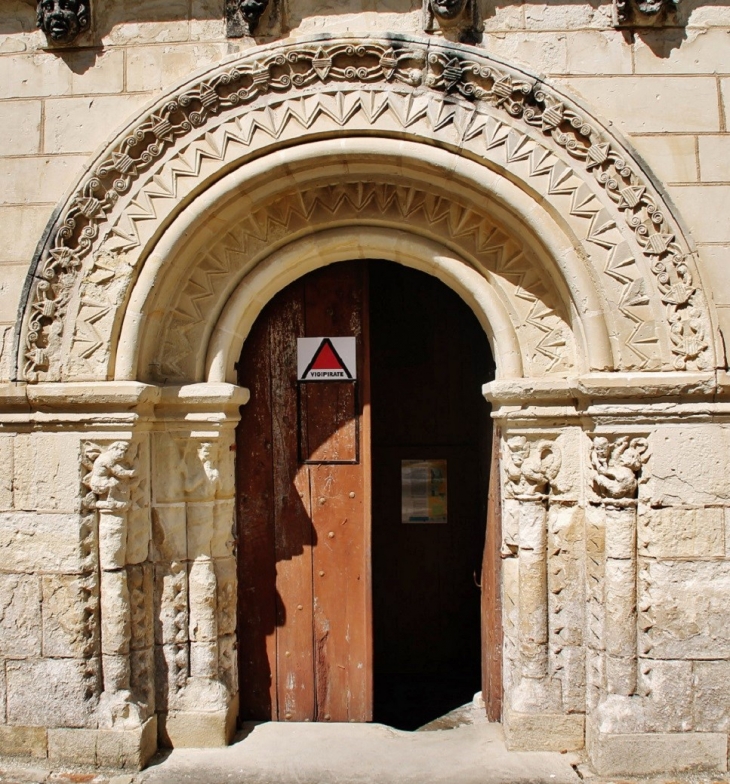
202, 475
63, 20
617, 467
109, 476
531, 467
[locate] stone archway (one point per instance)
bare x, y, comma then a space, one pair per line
300, 154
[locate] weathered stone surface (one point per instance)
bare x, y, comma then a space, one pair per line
672, 157
82, 124
155, 67
226, 579
645, 754
689, 466
130, 749
640, 105
72, 746
49, 542
669, 688
70, 616
185, 729
141, 596
3, 692
685, 610
20, 615
22, 175
711, 696
46, 472
20, 123
170, 532
681, 533
544, 731
67, 698
23, 741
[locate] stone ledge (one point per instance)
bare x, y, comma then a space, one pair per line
128, 749
646, 754
18, 741
544, 731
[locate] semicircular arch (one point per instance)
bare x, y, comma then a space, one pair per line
635, 261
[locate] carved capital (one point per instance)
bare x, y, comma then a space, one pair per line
531, 467
108, 476
63, 20
617, 468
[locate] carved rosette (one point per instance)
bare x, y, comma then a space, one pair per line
448, 72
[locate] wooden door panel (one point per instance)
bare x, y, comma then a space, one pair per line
292, 524
315, 523
492, 593
255, 514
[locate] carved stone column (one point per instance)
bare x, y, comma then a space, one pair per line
616, 468
115, 479
195, 585
530, 468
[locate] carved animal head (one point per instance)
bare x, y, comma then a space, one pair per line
448, 9
62, 20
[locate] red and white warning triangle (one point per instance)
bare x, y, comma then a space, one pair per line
326, 359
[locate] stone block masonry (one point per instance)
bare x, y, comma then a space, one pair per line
590, 236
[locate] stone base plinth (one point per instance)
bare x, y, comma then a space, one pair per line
129, 749
544, 731
198, 729
23, 741
648, 753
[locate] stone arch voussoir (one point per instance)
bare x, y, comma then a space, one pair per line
621, 289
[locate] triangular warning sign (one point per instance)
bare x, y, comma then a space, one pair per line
326, 364
326, 358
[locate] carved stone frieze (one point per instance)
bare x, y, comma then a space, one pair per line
63, 21
465, 90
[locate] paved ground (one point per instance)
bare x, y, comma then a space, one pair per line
460, 748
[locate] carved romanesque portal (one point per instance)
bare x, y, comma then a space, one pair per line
298, 155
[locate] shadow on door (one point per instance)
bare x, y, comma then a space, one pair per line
429, 358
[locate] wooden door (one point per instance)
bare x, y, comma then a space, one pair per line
303, 465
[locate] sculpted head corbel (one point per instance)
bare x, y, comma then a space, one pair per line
63, 20
451, 16
242, 16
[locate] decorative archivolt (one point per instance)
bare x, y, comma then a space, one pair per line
527, 294
449, 95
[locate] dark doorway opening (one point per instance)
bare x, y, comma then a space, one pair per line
429, 357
